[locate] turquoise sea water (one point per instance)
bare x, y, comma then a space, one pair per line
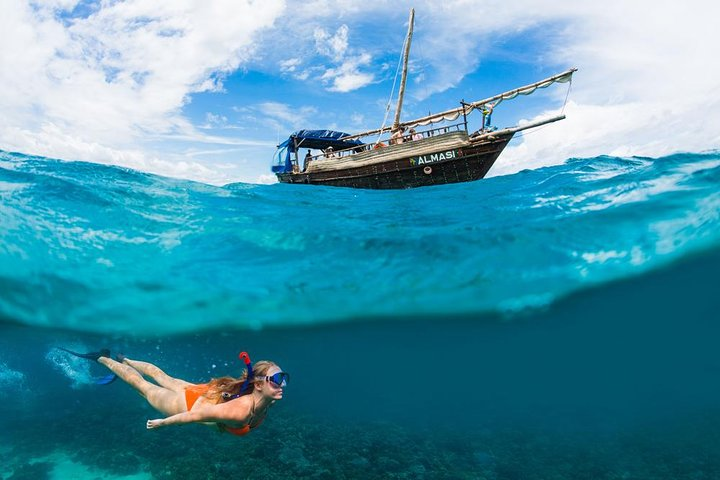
556, 323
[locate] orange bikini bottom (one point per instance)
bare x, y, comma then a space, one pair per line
194, 392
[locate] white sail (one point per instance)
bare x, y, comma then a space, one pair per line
455, 113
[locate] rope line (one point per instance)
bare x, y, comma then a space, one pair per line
567, 95
562, 112
392, 92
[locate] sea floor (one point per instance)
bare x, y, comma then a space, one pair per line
61, 466
118, 447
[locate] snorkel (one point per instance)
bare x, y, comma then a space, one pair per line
246, 384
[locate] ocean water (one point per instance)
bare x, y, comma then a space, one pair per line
561, 323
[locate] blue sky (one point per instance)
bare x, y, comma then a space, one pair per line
205, 89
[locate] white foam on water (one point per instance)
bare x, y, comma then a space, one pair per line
11, 381
77, 370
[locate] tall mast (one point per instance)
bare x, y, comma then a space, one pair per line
396, 123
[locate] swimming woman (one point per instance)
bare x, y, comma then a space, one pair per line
234, 405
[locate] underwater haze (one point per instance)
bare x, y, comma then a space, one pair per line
560, 323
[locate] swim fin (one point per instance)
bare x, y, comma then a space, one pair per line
108, 379
89, 356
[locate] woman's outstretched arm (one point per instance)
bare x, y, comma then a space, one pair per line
233, 411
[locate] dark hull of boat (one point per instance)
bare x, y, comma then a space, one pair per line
472, 163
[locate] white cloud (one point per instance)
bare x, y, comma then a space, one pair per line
64, 146
118, 75
104, 87
284, 115
646, 86
214, 121
290, 65
347, 76
333, 46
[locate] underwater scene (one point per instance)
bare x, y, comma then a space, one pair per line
559, 323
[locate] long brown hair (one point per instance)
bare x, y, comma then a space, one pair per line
225, 388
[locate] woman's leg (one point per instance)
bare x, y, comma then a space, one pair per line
162, 399
154, 372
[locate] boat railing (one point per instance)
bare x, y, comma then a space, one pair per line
382, 143
441, 130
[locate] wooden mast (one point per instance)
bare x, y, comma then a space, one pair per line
396, 122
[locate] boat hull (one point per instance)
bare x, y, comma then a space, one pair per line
472, 162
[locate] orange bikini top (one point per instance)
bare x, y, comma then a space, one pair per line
246, 429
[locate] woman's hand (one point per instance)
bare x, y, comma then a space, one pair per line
154, 423
208, 413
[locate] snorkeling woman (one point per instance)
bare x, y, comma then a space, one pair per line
234, 405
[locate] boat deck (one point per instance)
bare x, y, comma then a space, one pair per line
438, 143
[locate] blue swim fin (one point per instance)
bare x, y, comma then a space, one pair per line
107, 379
88, 356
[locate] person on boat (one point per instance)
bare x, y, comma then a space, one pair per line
397, 136
233, 405
308, 158
487, 116
414, 135
329, 152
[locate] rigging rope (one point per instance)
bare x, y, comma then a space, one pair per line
562, 112
537, 129
392, 91
567, 95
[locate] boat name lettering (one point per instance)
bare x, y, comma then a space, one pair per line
434, 157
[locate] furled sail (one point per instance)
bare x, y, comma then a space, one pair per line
467, 108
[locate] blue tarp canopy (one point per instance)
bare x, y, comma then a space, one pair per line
319, 139
312, 139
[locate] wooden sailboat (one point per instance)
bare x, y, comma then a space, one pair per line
430, 156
